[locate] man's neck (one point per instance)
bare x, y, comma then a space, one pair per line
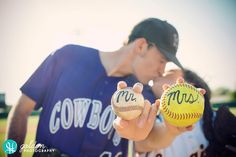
117, 63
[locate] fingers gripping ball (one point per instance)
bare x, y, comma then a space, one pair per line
127, 104
182, 105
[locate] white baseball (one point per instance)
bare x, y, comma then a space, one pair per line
127, 104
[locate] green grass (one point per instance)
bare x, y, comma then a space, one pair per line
32, 124
233, 110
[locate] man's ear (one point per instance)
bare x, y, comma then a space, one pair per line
141, 45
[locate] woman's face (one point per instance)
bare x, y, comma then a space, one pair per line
168, 77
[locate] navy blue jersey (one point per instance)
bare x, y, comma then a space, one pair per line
73, 90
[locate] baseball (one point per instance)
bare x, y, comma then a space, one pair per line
182, 105
127, 104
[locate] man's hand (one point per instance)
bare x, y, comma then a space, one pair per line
138, 128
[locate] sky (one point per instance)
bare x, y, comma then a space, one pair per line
32, 29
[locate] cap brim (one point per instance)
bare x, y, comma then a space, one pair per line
170, 57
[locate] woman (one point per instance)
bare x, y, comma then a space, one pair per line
214, 135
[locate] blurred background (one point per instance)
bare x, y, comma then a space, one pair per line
32, 29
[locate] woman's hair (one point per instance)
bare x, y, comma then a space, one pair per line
220, 131
198, 82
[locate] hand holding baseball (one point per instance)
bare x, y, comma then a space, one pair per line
138, 128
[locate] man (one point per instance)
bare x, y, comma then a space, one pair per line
74, 85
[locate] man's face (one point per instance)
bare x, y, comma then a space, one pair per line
169, 77
149, 65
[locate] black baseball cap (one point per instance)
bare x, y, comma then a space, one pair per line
162, 34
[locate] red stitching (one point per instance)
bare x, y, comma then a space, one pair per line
179, 116
192, 115
174, 116
168, 113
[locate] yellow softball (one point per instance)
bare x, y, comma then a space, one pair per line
182, 105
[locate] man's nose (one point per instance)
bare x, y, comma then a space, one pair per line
162, 69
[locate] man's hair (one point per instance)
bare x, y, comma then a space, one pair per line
159, 33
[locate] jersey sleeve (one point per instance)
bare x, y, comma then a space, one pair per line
36, 86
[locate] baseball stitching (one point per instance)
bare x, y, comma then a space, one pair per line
127, 108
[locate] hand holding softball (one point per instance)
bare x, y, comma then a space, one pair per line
182, 104
134, 123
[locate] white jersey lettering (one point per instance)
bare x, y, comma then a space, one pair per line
107, 114
95, 114
54, 125
81, 110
